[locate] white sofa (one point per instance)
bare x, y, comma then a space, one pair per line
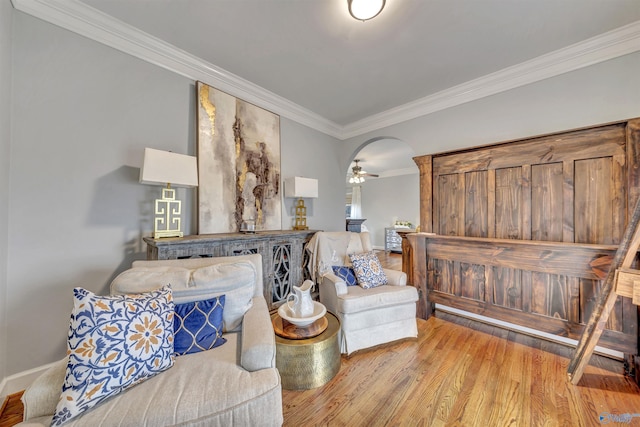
236, 384
368, 317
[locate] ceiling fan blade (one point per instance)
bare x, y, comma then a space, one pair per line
374, 175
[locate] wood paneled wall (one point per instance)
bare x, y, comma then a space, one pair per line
525, 229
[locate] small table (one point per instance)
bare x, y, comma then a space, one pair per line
309, 362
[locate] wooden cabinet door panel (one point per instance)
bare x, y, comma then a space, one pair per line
507, 287
451, 201
444, 276
472, 283
508, 213
594, 193
549, 295
547, 202
475, 204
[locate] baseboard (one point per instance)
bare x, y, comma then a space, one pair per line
614, 354
20, 381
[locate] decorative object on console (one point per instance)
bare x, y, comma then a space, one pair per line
363, 10
165, 167
402, 224
248, 226
238, 162
115, 342
301, 188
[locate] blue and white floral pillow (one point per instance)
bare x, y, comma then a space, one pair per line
115, 342
368, 270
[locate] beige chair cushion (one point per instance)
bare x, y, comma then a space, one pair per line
236, 280
358, 299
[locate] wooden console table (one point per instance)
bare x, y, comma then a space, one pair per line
283, 255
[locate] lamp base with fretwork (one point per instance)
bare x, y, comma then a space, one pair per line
301, 216
168, 210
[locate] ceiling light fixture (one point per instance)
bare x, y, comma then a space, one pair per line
363, 10
356, 180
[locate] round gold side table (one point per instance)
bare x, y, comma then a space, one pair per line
309, 362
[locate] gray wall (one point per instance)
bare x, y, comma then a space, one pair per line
312, 154
82, 115
384, 199
5, 142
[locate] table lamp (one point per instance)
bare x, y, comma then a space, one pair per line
167, 168
301, 188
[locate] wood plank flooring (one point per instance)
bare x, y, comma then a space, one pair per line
463, 373
11, 410
457, 373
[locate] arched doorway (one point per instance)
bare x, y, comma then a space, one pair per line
389, 192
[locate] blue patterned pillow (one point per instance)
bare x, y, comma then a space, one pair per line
198, 326
346, 274
368, 270
115, 342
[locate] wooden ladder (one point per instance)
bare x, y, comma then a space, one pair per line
620, 280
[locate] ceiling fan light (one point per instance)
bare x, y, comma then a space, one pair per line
364, 10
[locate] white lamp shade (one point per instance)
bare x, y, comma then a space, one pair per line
165, 167
301, 187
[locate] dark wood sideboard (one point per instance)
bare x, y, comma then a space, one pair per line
283, 255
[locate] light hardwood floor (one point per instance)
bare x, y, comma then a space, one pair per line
460, 372
463, 373
11, 410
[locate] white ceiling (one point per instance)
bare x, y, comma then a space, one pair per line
313, 53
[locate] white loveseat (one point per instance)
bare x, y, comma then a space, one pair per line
236, 384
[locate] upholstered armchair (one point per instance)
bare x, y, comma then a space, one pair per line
368, 317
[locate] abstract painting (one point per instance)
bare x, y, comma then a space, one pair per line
238, 164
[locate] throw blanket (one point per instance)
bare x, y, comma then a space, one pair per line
325, 250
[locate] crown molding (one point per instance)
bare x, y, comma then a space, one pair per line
82, 19
606, 46
89, 22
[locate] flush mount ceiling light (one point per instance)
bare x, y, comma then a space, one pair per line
363, 10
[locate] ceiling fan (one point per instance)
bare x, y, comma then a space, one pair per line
357, 174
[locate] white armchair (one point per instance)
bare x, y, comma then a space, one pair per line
368, 316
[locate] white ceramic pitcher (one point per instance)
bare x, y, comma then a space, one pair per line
301, 305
